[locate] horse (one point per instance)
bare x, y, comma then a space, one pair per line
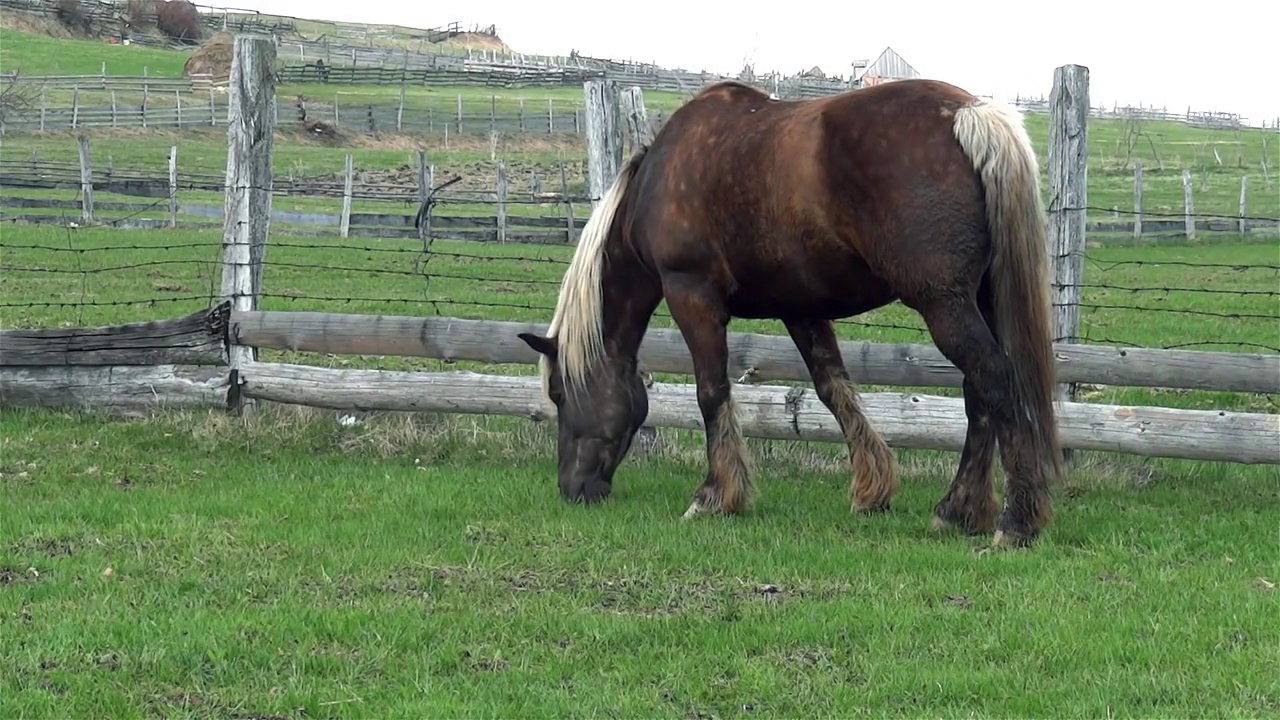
809, 211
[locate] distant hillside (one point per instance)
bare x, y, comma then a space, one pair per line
109, 21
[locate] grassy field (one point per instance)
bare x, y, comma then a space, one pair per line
36, 54
195, 565
285, 567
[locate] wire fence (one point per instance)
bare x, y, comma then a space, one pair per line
1217, 293
532, 185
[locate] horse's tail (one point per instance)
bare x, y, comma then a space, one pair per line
576, 324
994, 138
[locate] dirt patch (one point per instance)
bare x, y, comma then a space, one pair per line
34, 24
526, 180
479, 41
10, 575
45, 547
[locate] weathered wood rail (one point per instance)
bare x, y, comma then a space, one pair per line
753, 357
183, 362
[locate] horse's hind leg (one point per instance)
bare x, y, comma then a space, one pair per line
963, 336
703, 323
875, 470
970, 504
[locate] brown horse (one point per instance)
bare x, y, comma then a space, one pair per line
809, 211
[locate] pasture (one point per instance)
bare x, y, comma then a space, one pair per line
302, 563
193, 564
197, 566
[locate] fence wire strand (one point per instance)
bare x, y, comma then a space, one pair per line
448, 273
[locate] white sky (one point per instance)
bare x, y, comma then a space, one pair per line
1219, 55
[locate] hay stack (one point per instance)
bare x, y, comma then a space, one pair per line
212, 58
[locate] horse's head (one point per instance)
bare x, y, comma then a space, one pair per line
597, 418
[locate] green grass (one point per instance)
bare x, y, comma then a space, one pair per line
192, 566
33, 54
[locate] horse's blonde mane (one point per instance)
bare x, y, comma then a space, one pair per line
576, 324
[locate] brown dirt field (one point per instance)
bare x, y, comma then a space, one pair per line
524, 178
476, 41
34, 24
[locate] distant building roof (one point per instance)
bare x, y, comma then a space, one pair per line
889, 66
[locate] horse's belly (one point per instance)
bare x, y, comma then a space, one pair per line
825, 290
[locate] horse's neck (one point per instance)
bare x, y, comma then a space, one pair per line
629, 294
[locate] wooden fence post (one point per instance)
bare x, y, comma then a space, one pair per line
604, 137
1137, 200
247, 208
1244, 195
639, 129
1188, 204
344, 224
173, 186
400, 108
570, 232
1068, 200
501, 192
86, 182
424, 187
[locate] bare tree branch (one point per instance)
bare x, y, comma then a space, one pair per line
17, 97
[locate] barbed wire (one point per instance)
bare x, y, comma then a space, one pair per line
432, 263
333, 185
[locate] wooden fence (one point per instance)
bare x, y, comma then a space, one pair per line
533, 209
538, 208
188, 105
184, 362
210, 358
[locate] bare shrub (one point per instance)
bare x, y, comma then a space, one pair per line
179, 20
141, 14
17, 97
72, 15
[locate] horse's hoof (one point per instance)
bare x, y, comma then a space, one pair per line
1011, 540
874, 508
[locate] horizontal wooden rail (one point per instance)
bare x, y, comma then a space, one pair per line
195, 339
754, 357
906, 420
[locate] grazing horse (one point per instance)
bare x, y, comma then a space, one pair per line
808, 211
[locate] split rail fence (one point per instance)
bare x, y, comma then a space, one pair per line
210, 358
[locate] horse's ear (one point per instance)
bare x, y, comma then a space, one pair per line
540, 344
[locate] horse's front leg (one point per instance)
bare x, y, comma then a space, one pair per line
875, 470
703, 323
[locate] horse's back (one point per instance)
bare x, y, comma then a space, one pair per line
799, 201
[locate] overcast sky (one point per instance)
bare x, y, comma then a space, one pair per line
1218, 55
